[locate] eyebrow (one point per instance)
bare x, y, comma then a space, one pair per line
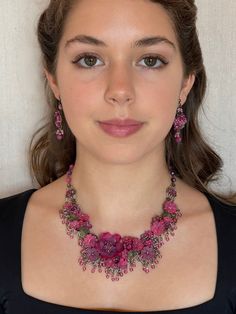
143, 42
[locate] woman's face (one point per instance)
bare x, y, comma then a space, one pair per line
119, 79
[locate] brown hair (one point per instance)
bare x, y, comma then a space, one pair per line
194, 160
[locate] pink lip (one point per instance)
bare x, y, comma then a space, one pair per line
121, 129
119, 122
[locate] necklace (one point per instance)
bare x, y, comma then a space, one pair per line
114, 254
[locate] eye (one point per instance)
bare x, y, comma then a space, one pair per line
86, 60
154, 62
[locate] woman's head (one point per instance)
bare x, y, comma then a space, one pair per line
121, 74
120, 83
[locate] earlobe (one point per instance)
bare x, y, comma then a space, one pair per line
52, 83
186, 87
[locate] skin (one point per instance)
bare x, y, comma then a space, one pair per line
120, 85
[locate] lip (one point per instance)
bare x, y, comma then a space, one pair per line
120, 122
123, 129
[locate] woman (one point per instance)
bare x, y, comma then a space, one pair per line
123, 169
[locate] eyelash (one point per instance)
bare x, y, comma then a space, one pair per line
84, 55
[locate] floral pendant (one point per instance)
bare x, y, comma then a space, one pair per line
112, 253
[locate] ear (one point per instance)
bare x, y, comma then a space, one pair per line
52, 83
186, 87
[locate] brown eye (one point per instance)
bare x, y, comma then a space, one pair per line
90, 60
86, 61
154, 62
150, 61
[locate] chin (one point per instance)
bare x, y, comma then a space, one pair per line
120, 157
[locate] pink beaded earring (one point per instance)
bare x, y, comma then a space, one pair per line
179, 123
58, 122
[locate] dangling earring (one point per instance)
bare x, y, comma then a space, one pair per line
58, 122
179, 123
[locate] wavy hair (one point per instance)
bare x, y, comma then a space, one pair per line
195, 162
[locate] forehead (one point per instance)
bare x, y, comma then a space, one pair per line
118, 22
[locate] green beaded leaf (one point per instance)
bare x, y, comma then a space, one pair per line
166, 214
132, 255
72, 217
83, 232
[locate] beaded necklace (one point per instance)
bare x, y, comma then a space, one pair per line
114, 254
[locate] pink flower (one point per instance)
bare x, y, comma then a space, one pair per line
167, 220
148, 234
123, 263
109, 245
91, 253
124, 254
74, 225
90, 240
148, 253
158, 227
109, 262
146, 237
70, 206
132, 243
148, 243
84, 221
128, 243
84, 217
180, 122
137, 245
170, 207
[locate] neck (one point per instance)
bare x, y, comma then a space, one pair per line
114, 196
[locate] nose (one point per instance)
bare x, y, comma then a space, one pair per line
120, 91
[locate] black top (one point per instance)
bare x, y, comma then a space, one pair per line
13, 300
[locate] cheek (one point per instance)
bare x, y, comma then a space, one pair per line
79, 97
161, 94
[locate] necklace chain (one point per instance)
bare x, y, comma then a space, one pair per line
114, 254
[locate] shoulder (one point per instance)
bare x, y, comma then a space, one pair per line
222, 210
12, 206
225, 220
12, 210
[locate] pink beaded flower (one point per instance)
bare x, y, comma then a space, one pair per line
109, 245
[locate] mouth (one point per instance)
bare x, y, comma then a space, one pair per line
120, 128
120, 122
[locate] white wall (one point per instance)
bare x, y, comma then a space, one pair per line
22, 103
